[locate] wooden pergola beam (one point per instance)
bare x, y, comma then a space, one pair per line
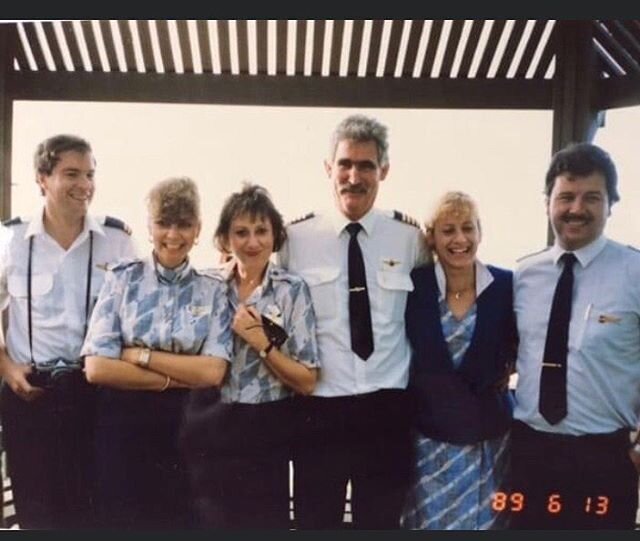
616, 93
313, 91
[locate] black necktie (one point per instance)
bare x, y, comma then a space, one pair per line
359, 310
553, 380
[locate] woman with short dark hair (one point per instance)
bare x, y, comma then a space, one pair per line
238, 449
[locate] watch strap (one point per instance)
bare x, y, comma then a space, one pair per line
144, 358
264, 352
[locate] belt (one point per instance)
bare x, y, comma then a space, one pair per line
617, 435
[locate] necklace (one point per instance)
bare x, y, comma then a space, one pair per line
457, 295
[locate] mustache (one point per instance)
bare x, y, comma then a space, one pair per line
357, 189
576, 218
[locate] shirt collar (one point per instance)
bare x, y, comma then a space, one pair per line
584, 255
36, 226
171, 276
340, 221
483, 278
227, 270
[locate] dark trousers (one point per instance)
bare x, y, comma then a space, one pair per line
142, 478
361, 438
239, 463
49, 444
572, 482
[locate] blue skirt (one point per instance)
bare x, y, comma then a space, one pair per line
453, 485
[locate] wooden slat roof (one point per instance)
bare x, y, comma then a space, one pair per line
408, 55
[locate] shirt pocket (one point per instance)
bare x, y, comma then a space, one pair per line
41, 284
323, 284
393, 287
608, 329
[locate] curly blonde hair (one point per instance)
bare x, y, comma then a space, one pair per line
174, 200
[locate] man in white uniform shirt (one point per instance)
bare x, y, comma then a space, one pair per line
51, 270
573, 465
356, 426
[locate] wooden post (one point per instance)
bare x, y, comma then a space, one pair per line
575, 84
8, 43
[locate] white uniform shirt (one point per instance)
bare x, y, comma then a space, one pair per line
58, 286
603, 370
317, 249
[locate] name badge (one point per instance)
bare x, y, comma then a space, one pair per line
199, 311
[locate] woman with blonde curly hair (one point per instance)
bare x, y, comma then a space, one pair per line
461, 328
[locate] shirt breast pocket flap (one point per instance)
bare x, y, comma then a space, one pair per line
322, 282
41, 284
601, 325
393, 289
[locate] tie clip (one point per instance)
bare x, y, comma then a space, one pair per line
552, 365
356, 289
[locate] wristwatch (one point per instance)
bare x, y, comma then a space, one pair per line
264, 352
144, 357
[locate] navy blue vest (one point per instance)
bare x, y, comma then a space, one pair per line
461, 405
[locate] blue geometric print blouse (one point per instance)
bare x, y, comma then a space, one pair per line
143, 304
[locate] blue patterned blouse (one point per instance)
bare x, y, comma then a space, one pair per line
285, 298
457, 333
143, 304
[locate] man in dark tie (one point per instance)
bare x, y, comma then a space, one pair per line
356, 260
578, 393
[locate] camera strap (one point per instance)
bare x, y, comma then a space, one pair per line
87, 297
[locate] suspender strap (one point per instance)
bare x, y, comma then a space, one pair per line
87, 300
87, 296
29, 300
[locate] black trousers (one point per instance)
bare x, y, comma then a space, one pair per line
49, 444
364, 439
572, 482
238, 460
142, 478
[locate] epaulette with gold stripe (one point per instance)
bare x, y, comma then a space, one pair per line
110, 221
532, 254
405, 218
302, 218
13, 221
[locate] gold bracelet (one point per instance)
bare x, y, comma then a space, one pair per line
166, 384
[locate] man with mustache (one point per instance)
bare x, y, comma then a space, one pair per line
356, 260
51, 270
578, 393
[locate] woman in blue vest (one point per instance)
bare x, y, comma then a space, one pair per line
461, 327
